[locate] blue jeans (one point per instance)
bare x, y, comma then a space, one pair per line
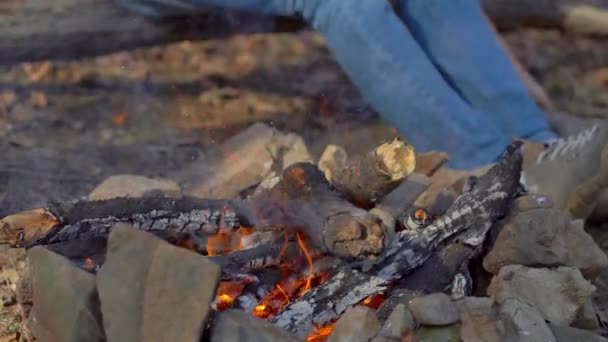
433, 69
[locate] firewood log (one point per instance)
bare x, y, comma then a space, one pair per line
367, 179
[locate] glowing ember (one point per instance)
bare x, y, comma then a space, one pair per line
222, 242
224, 302
227, 292
373, 302
262, 311
320, 334
119, 118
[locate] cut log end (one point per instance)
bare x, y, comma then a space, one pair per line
396, 158
351, 236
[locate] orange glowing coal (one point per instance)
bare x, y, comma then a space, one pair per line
119, 118
373, 302
222, 243
227, 292
320, 334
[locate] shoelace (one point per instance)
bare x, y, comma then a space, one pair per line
570, 144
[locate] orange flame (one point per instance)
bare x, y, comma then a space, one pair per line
227, 292
374, 301
307, 287
320, 334
119, 118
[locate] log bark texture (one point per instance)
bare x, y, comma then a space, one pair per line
34, 30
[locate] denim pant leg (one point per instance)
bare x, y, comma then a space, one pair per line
460, 42
395, 76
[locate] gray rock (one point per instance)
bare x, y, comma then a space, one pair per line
521, 322
133, 186
569, 334
584, 252
399, 321
358, 324
153, 291
66, 306
477, 319
532, 201
586, 317
241, 326
557, 294
545, 237
434, 309
450, 333
540, 236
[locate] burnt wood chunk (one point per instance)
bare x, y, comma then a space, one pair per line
157, 214
367, 179
304, 200
473, 212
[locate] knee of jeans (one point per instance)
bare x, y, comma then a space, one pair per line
441, 8
320, 13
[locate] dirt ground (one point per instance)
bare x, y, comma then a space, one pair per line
64, 127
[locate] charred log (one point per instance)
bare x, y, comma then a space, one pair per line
89, 219
438, 272
474, 212
260, 257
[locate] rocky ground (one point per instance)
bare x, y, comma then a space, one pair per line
66, 127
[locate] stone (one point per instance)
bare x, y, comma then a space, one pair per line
398, 322
478, 323
242, 162
358, 324
240, 326
450, 333
66, 305
152, 291
584, 252
586, 318
544, 237
434, 309
429, 162
558, 294
569, 334
532, 201
519, 321
133, 186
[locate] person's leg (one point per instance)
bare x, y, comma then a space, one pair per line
392, 72
396, 77
459, 40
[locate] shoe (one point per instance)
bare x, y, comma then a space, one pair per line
572, 171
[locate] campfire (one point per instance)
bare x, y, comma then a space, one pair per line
307, 247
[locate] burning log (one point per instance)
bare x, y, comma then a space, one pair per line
474, 212
253, 259
367, 179
304, 200
438, 272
